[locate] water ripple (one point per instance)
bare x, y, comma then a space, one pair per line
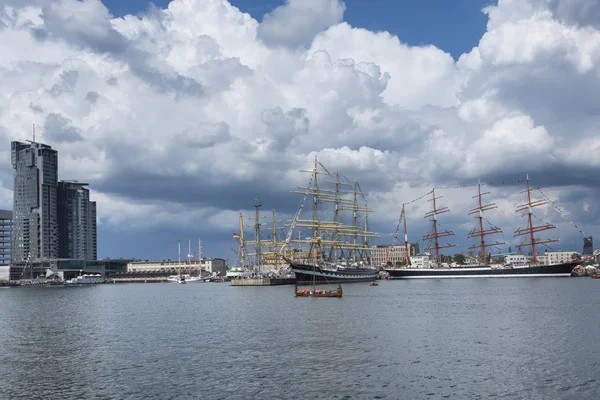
494, 338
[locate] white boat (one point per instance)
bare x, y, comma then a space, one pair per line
187, 278
236, 272
85, 279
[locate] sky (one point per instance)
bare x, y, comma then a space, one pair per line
179, 114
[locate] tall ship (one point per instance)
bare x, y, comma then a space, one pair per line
519, 267
333, 245
264, 266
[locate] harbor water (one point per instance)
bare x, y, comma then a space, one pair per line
534, 338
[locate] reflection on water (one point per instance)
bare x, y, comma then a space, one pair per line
480, 338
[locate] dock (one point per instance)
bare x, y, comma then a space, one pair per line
262, 281
144, 279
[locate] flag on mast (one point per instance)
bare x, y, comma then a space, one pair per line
235, 236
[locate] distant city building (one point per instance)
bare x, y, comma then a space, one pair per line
76, 221
35, 222
588, 246
396, 255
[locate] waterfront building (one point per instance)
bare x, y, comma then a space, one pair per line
35, 223
588, 246
517, 259
396, 255
560, 257
212, 266
5, 229
542, 259
5, 232
67, 268
421, 261
76, 221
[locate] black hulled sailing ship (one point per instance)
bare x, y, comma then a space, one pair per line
331, 251
484, 270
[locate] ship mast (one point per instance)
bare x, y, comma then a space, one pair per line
179, 257
328, 233
273, 243
403, 216
243, 240
531, 229
354, 219
200, 258
366, 237
401, 219
256, 206
339, 202
477, 212
436, 233
315, 228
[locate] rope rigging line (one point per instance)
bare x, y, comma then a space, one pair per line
295, 220
482, 184
561, 212
418, 198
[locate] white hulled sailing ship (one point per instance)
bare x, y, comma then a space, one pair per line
484, 270
329, 249
190, 274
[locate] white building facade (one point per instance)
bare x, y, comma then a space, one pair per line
560, 257
214, 266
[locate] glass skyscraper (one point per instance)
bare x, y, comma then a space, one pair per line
35, 222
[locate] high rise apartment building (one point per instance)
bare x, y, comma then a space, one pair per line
35, 223
76, 221
51, 219
588, 246
5, 229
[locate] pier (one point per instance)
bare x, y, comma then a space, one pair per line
142, 279
262, 281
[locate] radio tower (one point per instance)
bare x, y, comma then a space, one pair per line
531, 229
436, 233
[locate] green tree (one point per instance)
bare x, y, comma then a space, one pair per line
446, 259
576, 257
459, 258
501, 259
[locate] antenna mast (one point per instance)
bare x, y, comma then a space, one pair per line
436, 233
531, 229
477, 212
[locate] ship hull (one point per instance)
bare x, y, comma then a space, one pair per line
306, 273
482, 272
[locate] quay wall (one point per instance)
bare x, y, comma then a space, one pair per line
262, 281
